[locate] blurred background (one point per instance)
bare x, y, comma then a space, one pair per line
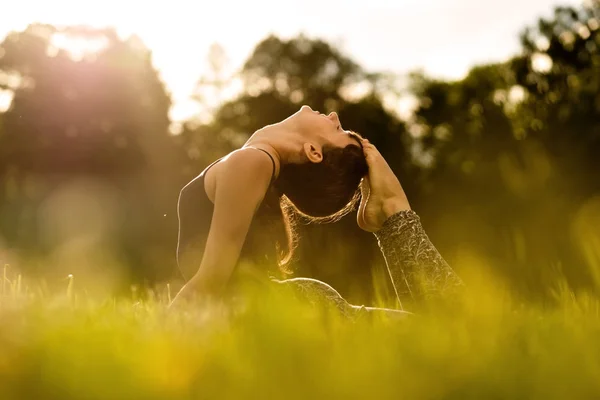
489, 112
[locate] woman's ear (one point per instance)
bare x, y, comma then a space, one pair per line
313, 153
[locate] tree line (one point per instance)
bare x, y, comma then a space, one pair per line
501, 165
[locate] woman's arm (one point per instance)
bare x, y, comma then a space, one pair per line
241, 182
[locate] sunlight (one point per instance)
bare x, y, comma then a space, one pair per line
541, 63
6, 97
179, 33
77, 47
167, 28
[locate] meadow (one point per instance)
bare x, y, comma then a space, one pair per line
486, 344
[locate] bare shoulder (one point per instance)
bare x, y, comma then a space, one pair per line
242, 168
247, 162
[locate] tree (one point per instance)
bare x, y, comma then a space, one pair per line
90, 107
512, 151
560, 71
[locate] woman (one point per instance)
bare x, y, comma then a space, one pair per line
309, 163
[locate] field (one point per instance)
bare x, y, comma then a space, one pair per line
485, 345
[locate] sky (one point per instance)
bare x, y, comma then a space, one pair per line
444, 38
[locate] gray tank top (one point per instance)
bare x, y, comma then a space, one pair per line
195, 212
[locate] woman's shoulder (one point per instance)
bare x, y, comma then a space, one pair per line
242, 171
245, 162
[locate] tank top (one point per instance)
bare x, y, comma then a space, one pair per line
195, 212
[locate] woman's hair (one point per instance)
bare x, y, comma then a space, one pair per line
321, 192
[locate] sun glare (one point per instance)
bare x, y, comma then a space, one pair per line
6, 97
541, 62
77, 47
166, 28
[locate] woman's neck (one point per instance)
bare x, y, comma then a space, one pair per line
282, 140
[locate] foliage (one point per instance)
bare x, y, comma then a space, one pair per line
86, 133
512, 152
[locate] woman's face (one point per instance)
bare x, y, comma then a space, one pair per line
326, 130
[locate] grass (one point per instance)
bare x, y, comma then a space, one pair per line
485, 345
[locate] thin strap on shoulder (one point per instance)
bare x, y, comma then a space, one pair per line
270, 156
210, 166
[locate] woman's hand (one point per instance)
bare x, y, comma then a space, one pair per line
382, 193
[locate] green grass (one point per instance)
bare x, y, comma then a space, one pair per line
484, 346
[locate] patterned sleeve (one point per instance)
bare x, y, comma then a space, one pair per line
416, 268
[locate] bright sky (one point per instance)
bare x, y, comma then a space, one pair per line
443, 37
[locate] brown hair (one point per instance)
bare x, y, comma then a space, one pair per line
319, 192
